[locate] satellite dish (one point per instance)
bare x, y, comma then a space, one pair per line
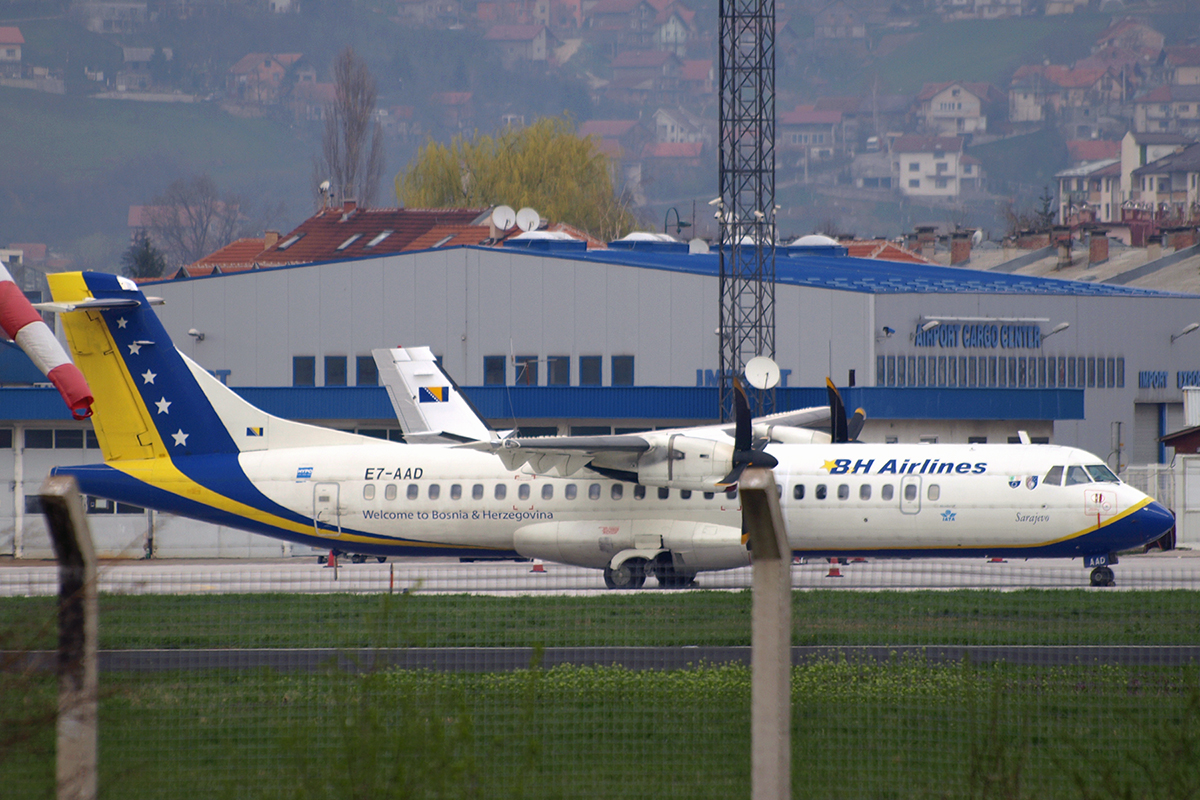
528, 219
762, 373
976, 238
503, 217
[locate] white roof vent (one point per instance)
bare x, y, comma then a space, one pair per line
647, 236
814, 240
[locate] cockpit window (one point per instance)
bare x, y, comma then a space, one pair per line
1077, 475
1053, 477
1102, 474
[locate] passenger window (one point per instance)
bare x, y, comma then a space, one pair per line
731, 494
709, 495
477, 491
1053, 477
910, 492
934, 492
1102, 474
1077, 475
843, 491
501, 491
821, 491
389, 492
523, 491
435, 491
413, 491
886, 492
594, 491
456, 491
639, 492
368, 491
618, 491
779, 490
798, 491
685, 494
864, 492
571, 492
663, 493
548, 491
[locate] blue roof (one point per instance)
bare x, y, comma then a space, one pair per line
686, 403
817, 268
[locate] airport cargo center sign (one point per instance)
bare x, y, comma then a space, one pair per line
982, 335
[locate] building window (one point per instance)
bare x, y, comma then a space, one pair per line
68, 439
335, 370
966, 169
622, 370
940, 167
589, 370
493, 370
914, 183
939, 183
527, 371
39, 438
304, 370
558, 370
6, 438
366, 372
914, 166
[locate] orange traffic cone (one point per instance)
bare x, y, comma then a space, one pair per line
538, 566
332, 562
834, 570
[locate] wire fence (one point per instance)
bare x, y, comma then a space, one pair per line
922, 679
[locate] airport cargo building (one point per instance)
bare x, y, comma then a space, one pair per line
550, 336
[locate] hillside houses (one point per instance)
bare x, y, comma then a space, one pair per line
11, 42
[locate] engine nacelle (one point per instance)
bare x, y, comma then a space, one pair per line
694, 546
678, 461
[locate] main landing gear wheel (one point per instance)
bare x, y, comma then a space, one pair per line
630, 575
664, 571
1103, 576
358, 558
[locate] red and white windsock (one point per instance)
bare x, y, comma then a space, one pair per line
23, 324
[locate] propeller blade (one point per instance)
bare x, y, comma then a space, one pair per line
743, 429
855, 426
838, 432
734, 474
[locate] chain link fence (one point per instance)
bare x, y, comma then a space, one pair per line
922, 679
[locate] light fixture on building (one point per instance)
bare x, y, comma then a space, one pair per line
930, 325
195, 334
1059, 328
1186, 330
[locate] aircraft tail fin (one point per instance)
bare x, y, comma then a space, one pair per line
151, 400
427, 401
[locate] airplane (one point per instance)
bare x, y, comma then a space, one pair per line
661, 503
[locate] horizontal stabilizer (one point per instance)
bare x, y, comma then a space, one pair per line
429, 405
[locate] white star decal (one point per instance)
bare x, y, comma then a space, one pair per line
122, 322
135, 349
163, 405
180, 438
148, 377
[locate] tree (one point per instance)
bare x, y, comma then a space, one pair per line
545, 166
191, 220
352, 144
142, 259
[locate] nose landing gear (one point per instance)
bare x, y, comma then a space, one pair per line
1102, 574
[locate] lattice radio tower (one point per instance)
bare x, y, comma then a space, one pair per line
746, 207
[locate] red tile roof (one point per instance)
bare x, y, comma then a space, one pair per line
697, 69
1064, 77
641, 58
984, 91
251, 61
927, 144
344, 233
242, 252
11, 36
1183, 56
1092, 150
882, 250
672, 150
513, 33
450, 98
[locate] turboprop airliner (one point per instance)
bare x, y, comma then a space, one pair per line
661, 504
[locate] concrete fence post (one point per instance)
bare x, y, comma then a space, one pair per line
770, 637
77, 633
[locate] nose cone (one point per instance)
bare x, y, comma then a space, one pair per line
1154, 520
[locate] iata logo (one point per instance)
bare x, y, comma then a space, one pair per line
948, 516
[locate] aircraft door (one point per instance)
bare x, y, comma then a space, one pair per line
910, 494
325, 509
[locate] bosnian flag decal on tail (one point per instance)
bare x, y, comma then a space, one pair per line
254, 431
433, 394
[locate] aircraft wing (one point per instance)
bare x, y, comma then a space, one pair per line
428, 403
567, 455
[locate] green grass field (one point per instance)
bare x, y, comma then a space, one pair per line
898, 730
966, 617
